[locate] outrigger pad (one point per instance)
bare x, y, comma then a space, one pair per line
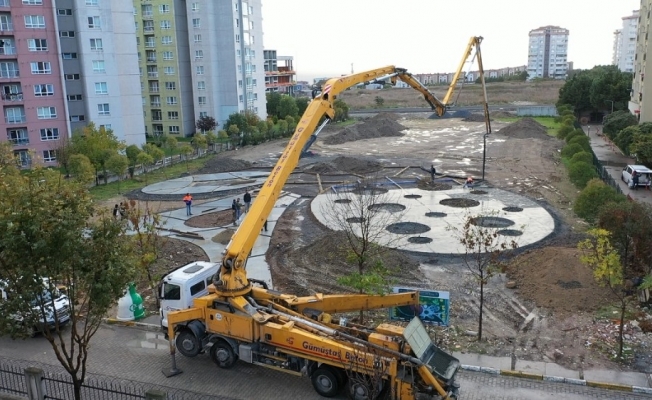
170, 372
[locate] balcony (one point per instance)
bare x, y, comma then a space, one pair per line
150, 44
148, 14
152, 74
9, 74
6, 27
4, 3
157, 118
148, 29
15, 119
7, 50
154, 89
155, 104
19, 141
151, 59
12, 97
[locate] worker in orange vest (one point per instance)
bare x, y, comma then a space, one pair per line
188, 200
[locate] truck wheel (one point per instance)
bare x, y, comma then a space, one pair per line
187, 343
361, 389
325, 382
222, 354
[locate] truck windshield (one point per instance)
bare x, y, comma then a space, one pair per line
171, 292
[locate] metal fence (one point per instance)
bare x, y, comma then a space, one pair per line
604, 174
56, 384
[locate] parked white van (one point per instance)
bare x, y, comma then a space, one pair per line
644, 174
178, 288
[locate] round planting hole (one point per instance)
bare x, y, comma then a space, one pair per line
369, 191
419, 239
512, 209
343, 201
412, 196
569, 284
435, 214
354, 220
478, 192
494, 222
408, 228
510, 232
460, 203
389, 207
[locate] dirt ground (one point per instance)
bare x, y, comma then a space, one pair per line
545, 307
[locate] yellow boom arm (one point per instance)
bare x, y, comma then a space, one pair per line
233, 278
473, 42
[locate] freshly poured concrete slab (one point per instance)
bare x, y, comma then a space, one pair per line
623, 378
208, 183
479, 360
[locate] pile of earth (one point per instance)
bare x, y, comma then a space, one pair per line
381, 125
501, 114
355, 165
320, 168
474, 118
525, 128
223, 164
211, 219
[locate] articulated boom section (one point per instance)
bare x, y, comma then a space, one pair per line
473, 42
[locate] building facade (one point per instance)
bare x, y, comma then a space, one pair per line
470, 76
548, 53
50, 58
624, 49
199, 58
639, 104
279, 73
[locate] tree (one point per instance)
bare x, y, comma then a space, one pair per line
199, 142
484, 250
641, 146
362, 219
64, 150
239, 120
595, 195
262, 128
211, 140
283, 126
117, 164
206, 123
570, 150
132, 152
145, 160
616, 122
341, 110
185, 151
580, 173
302, 105
590, 89
222, 135
287, 107
52, 230
273, 101
81, 169
234, 135
8, 164
582, 156
98, 145
582, 141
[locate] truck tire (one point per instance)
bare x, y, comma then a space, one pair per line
223, 355
361, 389
187, 343
325, 382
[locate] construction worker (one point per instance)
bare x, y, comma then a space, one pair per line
188, 200
433, 172
469, 182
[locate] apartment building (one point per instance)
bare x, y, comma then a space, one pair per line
548, 53
199, 58
48, 83
470, 76
639, 105
279, 73
624, 48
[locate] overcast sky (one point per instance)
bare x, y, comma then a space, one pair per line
326, 37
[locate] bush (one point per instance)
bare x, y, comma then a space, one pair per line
593, 197
582, 141
582, 156
580, 173
564, 131
570, 150
575, 133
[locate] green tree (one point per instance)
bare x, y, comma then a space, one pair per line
590, 89
52, 230
117, 164
273, 101
580, 173
206, 123
234, 135
570, 149
64, 150
341, 110
98, 145
575, 133
186, 151
211, 140
283, 126
170, 145
576, 92
199, 142
251, 118
287, 107
81, 169
564, 131
302, 105
582, 156
641, 146
625, 137
616, 122
595, 195
262, 128
132, 152
239, 120
583, 141
222, 136
145, 160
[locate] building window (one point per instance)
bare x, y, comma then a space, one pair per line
239, 68
199, 54
173, 115
201, 85
166, 24
72, 77
46, 112
255, 96
49, 155
254, 83
74, 97
69, 56
171, 100
68, 34
168, 55
195, 6
168, 70
43, 90
91, 2
196, 23
101, 88
106, 127
201, 100
94, 22
241, 98
237, 38
203, 114
33, 2
77, 118
103, 109
171, 85
197, 38
40, 68
49, 134
174, 129
18, 136
240, 83
237, 23
96, 44
64, 11
164, 8
98, 66
34, 21
200, 70
37, 44
166, 40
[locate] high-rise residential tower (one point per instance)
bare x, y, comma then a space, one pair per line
548, 53
624, 48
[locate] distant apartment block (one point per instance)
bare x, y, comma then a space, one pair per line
640, 103
199, 58
548, 53
279, 73
624, 48
447, 77
59, 69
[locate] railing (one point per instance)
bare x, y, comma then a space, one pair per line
7, 50
16, 119
19, 141
604, 174
9, 74
149, 14
153, 90
12, 97
150, 44
152, 74
151, 59
4, 3
155, 104
148, 29
6, 26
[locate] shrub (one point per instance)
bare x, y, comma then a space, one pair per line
582, 156
575, 133
580, 173
564, 131
582, 141
570, 149
593, 197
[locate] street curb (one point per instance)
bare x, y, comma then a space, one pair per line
145, 325
559, 379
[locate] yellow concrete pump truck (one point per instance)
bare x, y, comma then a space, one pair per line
241, 319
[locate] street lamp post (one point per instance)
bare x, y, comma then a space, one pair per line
612, 105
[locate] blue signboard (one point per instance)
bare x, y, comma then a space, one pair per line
433, 308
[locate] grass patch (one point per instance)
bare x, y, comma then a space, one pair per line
548, 122
104, 192
343, 124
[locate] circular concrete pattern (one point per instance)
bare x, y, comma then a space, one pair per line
492, 222
389, 207
478, 192
343, 201
407, 228
354, 220
512, 209
510, 232
433, 214
419, 239
459, 202
412, 196
369, 191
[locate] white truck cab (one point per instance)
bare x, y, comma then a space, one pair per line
178, 288
644, 174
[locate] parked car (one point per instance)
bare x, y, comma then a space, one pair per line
644, 174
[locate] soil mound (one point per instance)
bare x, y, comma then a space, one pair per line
474, 118
356, 165
224, 237
320, 168
502, 114
381, 125
525, 128
223, 164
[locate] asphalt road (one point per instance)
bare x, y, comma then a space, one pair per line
131, 353
503, 107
